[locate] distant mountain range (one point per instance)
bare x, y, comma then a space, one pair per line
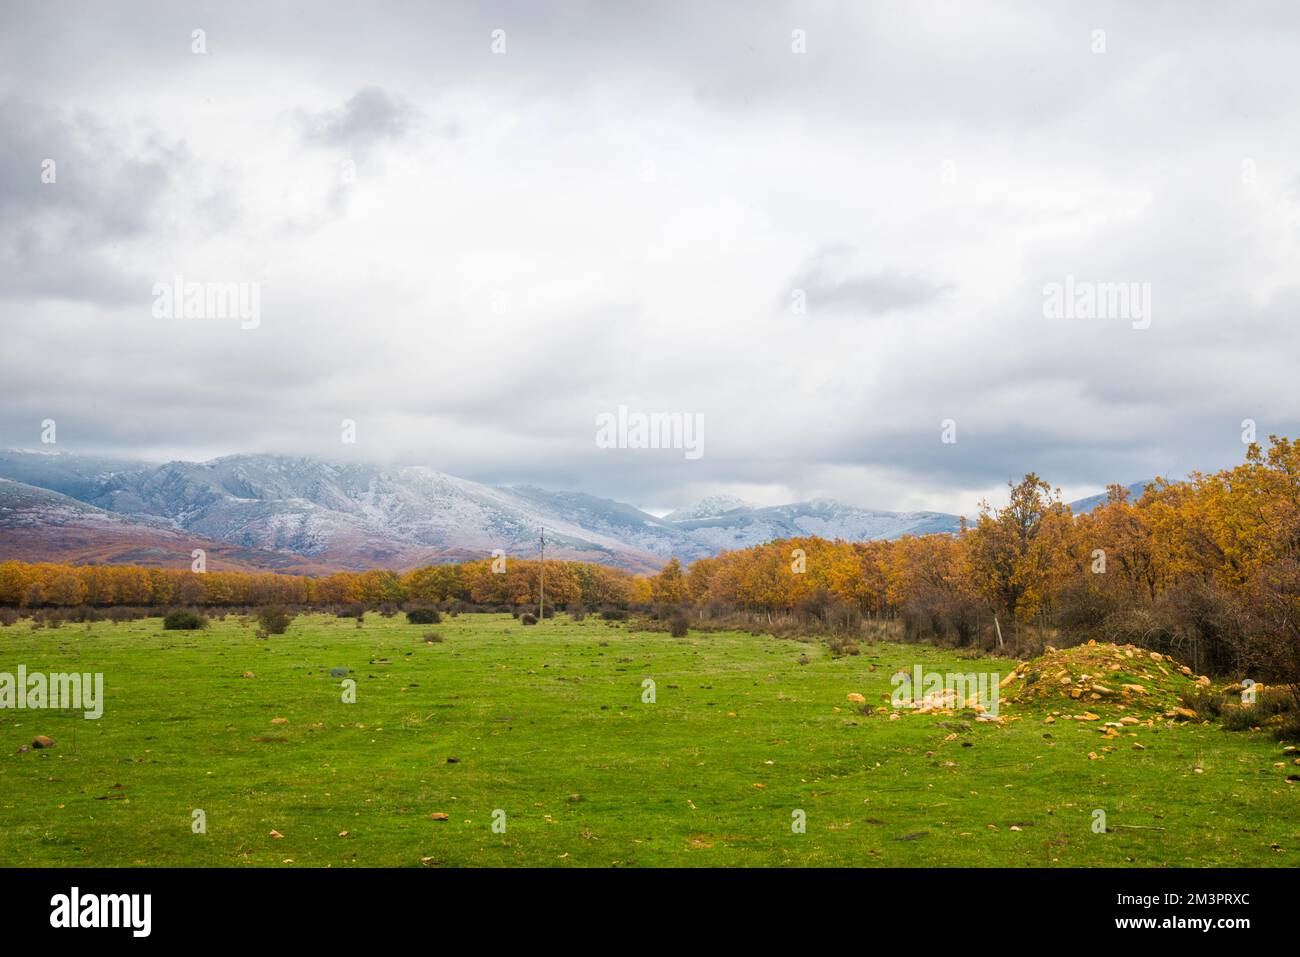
1092, 501
305, 515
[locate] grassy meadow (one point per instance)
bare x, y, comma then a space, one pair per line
546, 723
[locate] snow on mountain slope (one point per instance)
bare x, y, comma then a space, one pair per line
352, 514
1084, 505
38, 524
360, 515
822, 517
711, 506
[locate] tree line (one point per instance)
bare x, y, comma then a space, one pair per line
1207, 569
489, 582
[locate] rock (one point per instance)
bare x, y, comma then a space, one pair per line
453, 760
439, 816
1187, 713
1129, 719
1088, 716
1101, 689
857, 698
23, 749
279, 720
1134, 689
41, 741
249, 674
338, 672
277, 835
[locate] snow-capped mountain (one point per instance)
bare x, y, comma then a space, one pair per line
711, 506
348, 515
746, 525
330, 515
37, 524
1092, 501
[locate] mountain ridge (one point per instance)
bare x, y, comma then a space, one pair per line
314, 514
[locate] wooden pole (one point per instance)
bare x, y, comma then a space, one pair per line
541, 598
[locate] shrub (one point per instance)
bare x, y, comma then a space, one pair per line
841, 645
433, 637
184, 620
528, 618
424, 616
1275, 708
8, 616
614, 614
274, 620
679, 626
577, 612
350, 611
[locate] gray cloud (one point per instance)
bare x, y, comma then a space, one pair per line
71, 190
370, 116
831, 282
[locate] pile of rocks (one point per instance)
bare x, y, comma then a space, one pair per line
1101, 677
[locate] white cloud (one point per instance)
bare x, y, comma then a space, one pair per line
618, 210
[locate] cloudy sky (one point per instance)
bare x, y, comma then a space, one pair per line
472, 252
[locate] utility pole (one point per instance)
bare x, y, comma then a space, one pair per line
541, 601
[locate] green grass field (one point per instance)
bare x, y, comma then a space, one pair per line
548, 725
